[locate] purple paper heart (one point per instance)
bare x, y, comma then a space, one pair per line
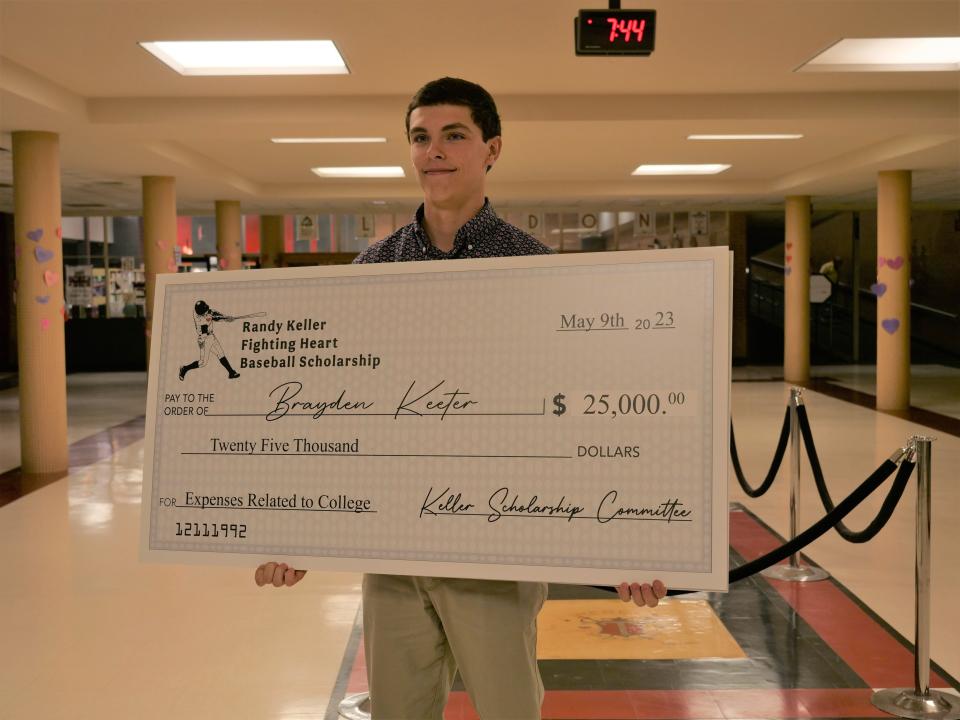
43, 299
35, 235
878, 289
891, 325
895, 263
43, 254
787, 270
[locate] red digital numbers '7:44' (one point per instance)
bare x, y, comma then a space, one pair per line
626, 28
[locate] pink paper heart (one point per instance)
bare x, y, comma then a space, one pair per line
891, 325
159, 244
789, 258
59, 232
44, 323
881, 261
171, 265
789, 245
224, 264
895, 263
51, 278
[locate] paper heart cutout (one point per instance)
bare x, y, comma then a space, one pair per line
159, 244
891, 325
147, 332
63, 311
50, 277
789, 258
44, 323
789, 245
42, 299
59, 232
881, 261
35, 235
878, 289
17, 251
787, 270
224, 264
895, 263
171, 265
43, 255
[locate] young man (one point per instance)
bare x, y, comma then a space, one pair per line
418, 630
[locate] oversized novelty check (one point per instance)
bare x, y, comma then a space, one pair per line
560, 418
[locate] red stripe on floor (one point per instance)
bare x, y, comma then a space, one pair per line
691, 704
870, 651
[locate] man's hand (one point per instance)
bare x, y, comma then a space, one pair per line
278, 575
641, 595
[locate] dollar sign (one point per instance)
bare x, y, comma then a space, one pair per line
560, 408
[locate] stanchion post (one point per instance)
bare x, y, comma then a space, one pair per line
794, 570
921, 702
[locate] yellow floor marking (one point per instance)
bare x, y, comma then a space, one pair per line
612, 630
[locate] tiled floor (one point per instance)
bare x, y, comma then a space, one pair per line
90, 632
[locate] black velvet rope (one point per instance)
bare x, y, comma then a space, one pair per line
886, 510
774, 465
840, 511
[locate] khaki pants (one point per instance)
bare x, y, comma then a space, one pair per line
418, 631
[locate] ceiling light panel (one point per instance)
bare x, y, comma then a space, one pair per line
771, 136
329, 140
250, 57
687, 169
394, 171
888, 55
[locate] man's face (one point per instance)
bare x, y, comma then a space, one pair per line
449, 154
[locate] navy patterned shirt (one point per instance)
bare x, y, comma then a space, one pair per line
484, 235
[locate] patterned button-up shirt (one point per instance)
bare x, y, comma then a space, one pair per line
484, 235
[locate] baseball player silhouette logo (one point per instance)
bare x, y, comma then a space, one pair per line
203, 318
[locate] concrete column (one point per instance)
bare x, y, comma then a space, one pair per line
159, 236
893, 290
229, 235
796, 291
40, 308
271, 240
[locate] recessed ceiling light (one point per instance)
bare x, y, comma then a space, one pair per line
253, 57
708, 169
394, 171
888, 55
330, 140
771, 136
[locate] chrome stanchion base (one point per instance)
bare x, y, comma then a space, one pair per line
906, 703
802, 573
355, 707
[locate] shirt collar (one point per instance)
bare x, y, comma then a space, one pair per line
476, 228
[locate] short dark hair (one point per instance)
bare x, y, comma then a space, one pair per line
454, 91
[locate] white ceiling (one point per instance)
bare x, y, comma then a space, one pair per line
574, 127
